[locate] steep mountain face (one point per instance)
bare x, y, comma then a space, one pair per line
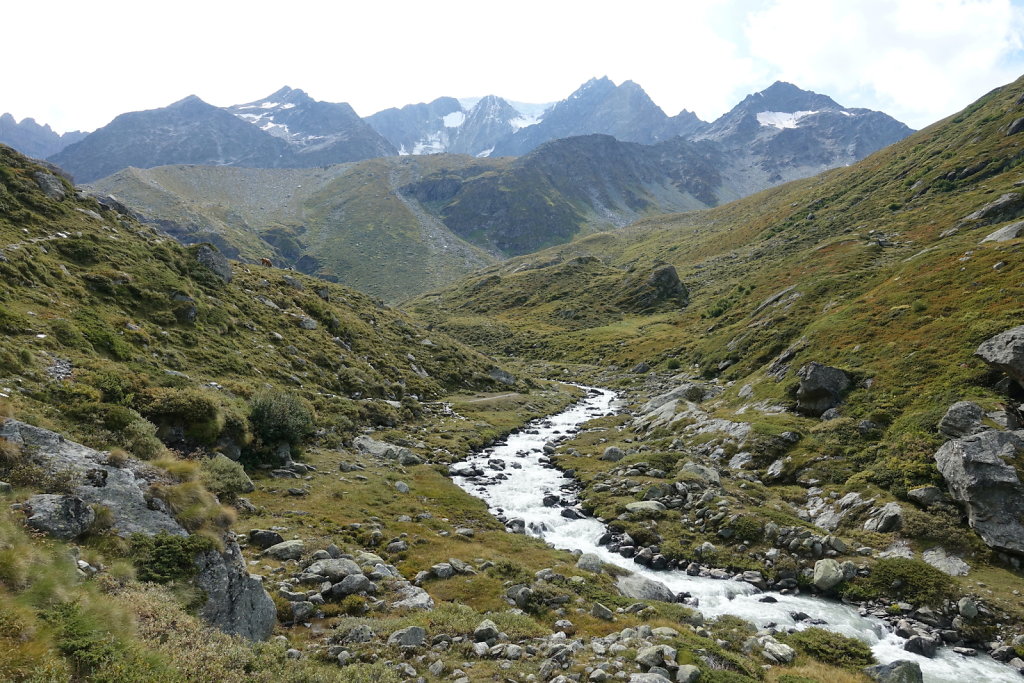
319, 132
598, 106
789, 133
189, 131
445, 126
33, 140
287, 130
565, 187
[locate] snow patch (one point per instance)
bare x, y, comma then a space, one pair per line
782, 119
485, 153
524, 121
454, 120
269, 105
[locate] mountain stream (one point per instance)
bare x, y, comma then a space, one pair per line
528, 478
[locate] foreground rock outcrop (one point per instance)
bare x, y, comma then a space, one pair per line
236, 602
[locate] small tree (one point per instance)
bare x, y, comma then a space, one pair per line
277, 416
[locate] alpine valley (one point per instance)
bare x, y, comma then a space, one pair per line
476, 390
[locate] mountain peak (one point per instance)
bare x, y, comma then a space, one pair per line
190, 101
786, 97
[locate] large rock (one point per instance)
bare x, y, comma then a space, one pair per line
62, 517
286, 550
979, 474
412, 597
334, 570
120, 489
708, 475
236, 603
209, 256
962, 419
641, 588
589, 562
1005, 351
381, 449
827, 574
945, 563
900, 671
650, 506
1007, 233
776, 652
821, 388
613, 454
885, 519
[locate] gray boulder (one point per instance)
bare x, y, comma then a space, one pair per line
120, 489
287, 550
613, 454
485, 630
412, 597
209, 256
885, 519
408, 638
62, 517
589, 562
263, 539
900, 671
236, 603
641, 588
380, 449
1007, 233
827, 574
50, 184
708, 475
1005, 352
945, 563
645, 506
821, 387
926, 495
334, 570
978, 474
962, 419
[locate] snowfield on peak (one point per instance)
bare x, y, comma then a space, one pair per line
781, 119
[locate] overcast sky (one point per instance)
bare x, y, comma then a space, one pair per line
76, 65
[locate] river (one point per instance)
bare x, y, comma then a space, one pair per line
528, 478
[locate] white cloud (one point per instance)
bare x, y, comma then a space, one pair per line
918, 60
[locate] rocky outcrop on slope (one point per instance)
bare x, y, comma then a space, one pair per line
979, 472
236, 602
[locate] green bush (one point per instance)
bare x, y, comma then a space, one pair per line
164, 558
199, 412
278, 416
224, 477
914, 581
831, 648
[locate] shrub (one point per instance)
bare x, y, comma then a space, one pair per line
164, 558
832, 648
224, 477
194, 507
197, 411
278, 416
915, 581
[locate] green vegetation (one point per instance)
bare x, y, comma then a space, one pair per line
279, 416
904, 579
831, 648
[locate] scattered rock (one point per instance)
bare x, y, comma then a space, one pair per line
485, 630
948, 564
401, 487
926, 495
334, 570
590, 562
642, 588
613, 454
821, 387
602, 612
1005, 352
1007, 233
286, 550
50, 184
408, 638
962, 419
886, 519
900, 671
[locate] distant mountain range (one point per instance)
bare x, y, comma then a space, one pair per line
781, 128
34, 140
